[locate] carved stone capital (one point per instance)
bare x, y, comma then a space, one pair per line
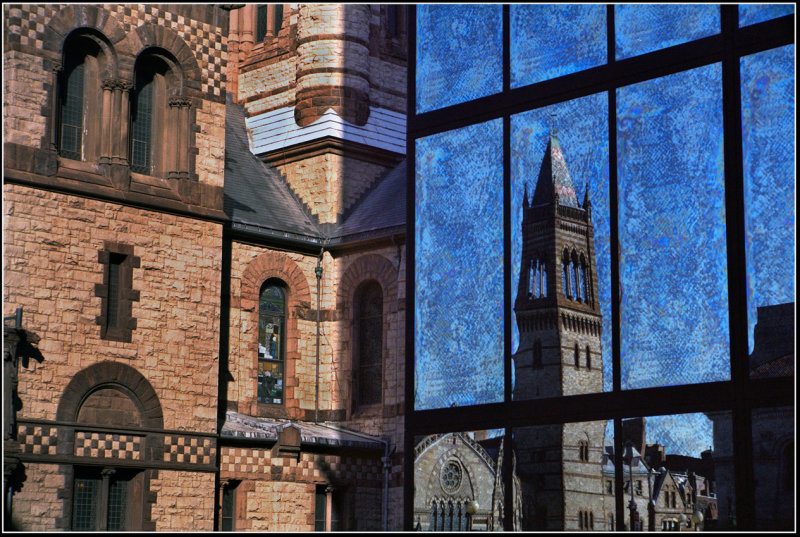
180, 102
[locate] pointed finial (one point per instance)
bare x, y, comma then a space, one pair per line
553, 129
586, 201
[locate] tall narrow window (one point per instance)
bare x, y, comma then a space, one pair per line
588, 357
392, 21
577, 357
543, 279
72, 113
565, 276
537, 353
261, 23
582, 281
228, 502
141, 125
277, 21
101, 500
114, 266
369, 343
271, 327
320, 509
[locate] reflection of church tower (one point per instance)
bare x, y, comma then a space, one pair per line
559, 320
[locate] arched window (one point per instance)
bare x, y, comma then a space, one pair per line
543, 279
433, 517
566, 278
368, 359
271, 346
159, 117
591, 520
532, 291
576, 277
582, 281
79, 96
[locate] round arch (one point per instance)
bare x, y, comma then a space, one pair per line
109, 374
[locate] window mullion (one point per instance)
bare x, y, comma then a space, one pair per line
737, 270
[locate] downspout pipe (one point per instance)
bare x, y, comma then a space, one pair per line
318, 272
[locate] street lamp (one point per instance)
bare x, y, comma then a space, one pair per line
627, 458
472, 508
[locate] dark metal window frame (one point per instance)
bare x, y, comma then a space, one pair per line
739, 395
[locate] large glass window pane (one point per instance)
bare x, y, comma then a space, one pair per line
561, 149
645, 28
671, 471
561, 473
459, 54
768, 107
459, 267
458, 483
673, 265
548, 41
754, 13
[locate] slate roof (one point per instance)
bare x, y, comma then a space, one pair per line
242, 426
259, 201
554, 178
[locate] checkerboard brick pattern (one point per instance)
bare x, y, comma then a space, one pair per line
108, 446
208, 43
310, 468
189, 450
37, 439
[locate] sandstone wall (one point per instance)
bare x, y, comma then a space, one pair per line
51, 268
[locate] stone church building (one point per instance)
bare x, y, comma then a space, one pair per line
204, 235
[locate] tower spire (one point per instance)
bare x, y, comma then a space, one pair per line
554, 182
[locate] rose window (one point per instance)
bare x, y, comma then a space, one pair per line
451, 476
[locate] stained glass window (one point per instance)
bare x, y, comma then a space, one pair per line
141, 125
72, 113
84, 511
271, 329
369, 343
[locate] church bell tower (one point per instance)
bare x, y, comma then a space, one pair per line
558, 315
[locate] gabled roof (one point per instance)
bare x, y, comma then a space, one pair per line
382, 207
554, 179
256, 196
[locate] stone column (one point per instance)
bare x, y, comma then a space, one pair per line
55, 107
179, 108
107, 120
124, 120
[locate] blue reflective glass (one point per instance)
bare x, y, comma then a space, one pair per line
548, 41
459, 54
755, 13
645, 28
768, 134
459, 267
673, 264
581, 128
